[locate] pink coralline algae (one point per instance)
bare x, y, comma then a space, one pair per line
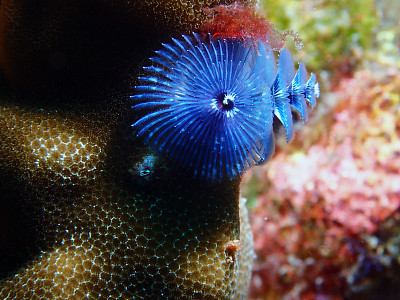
326, 227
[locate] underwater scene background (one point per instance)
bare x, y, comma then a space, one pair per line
325, 209
92, 207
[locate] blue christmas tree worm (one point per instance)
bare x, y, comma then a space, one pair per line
212, 102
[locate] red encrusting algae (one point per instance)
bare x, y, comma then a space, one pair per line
237, 21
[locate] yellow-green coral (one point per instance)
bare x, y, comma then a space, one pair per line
332, 30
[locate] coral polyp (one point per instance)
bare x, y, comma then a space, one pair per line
211, 112
210, 103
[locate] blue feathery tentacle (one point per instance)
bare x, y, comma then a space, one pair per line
311, 91
287, 88
295, 86
208, 110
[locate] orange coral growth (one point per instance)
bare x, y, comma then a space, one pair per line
237, 21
